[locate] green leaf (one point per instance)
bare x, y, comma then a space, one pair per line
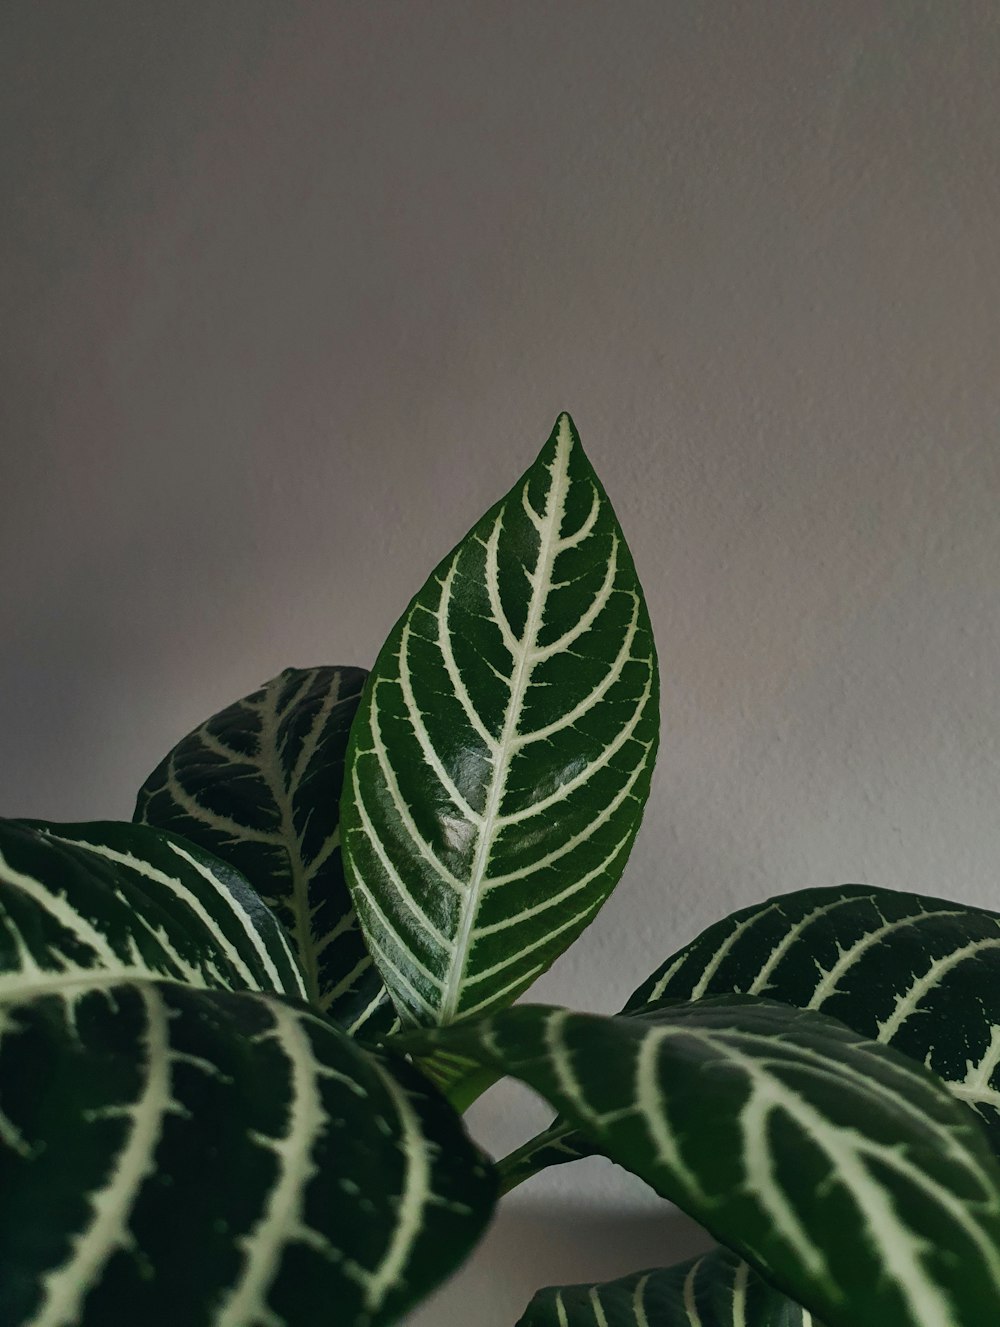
919, 974
502, 753
170, 1155
198, 1149
259, 786
130, 901
715, 1290
846, 1175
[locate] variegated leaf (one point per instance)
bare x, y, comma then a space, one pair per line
715, 1290
502, 753
130, 901
919, 974
844, 1173
259, 785
170, 1155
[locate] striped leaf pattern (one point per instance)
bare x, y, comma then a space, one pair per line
259, 785
919, 974
128, 901
502, 752
715, 1290
845, 1174
174, 1155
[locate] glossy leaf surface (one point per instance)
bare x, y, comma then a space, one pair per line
129, 901
715, 1290
919, 974
259, 785
846, 1175
502, 753
174, 1155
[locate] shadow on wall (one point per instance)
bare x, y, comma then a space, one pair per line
536, 1244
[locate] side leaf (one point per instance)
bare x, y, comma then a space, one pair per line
173, 1155
715, 1290
919, 974
502, 753
129, 901
846, 1175
259, 785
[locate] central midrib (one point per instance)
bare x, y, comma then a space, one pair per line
301, 921
470, 908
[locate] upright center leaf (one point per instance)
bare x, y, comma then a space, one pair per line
501, 756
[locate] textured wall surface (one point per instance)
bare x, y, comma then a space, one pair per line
290, 293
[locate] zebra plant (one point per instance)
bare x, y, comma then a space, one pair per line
237, 1035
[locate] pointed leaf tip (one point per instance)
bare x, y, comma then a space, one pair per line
502, 752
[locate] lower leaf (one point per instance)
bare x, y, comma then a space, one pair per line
916, 973
846, 1175
173, 1155
715, 1290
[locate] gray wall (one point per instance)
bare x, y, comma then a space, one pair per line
291, 292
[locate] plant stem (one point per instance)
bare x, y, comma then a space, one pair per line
518, 1165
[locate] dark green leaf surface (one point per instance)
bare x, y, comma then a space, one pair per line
843, 1173
919, 974
259, 785
502, 753
130, 901
171, 1156
715, 1290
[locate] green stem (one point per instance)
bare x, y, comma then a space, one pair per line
512, 1168
518, 1165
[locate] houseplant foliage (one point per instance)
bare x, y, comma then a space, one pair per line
236, 1036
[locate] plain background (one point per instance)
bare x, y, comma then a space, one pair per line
291, 292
